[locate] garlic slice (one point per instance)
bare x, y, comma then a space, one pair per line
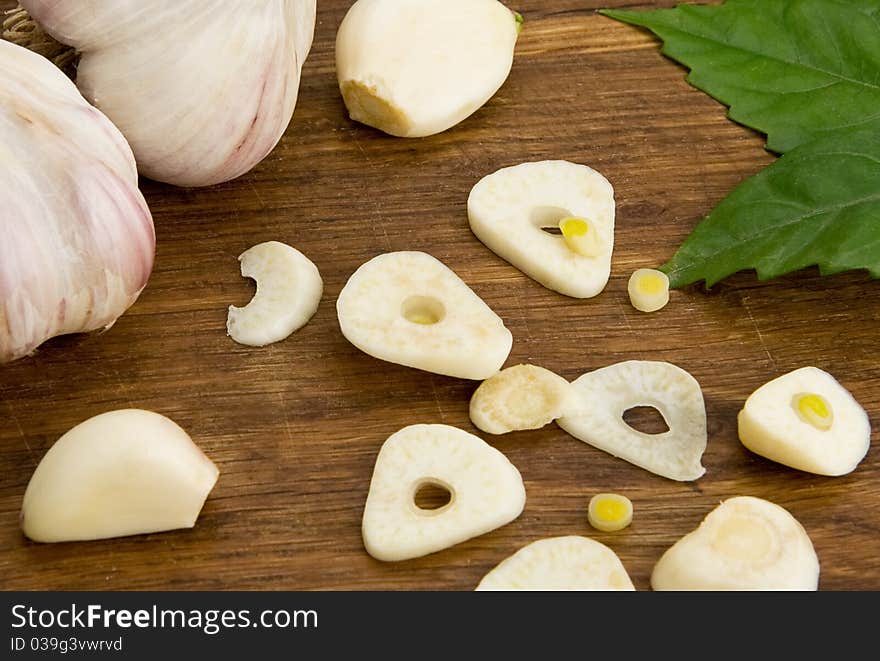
520, 397
414, 68
410, 308
743, 544
120, 473
289, 289
807, 420
486, 492
77, 237
509, 210
560, 563
606, 394
203, 90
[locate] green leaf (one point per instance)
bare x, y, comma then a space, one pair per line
818, 204
793, 69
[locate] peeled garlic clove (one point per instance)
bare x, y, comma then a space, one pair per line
203, 90
289, 289
510, 209
606, 394
807, 420
120, 473
410, 308
743, 544
520, 397
78, 238
560, 563
413, 68
486, 492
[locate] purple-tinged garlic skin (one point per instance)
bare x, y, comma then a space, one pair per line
76, 237
203, 90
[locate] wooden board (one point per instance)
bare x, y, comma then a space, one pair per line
295, 427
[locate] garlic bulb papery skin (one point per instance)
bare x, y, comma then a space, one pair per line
203, 90
76, 236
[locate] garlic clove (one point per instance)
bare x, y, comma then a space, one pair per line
521, 397
486, 492
604, 395
413, 68
560, 563
289, 289
410, 308
202, 90
78, 240
743, 544
120, 473
509, 211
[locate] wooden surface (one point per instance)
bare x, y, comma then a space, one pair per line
295, 427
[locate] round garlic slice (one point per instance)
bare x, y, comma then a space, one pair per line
743, 544
413, 68
510, 210
485, 492
520, 397
606, 394
289, 289
648, 290
807, 420
410, 308
560, 563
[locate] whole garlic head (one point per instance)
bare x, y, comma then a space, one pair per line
202, 90
77, 237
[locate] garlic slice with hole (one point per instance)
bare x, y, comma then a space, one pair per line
78, 239
413, 68
120, 473
560, 563
486, 492
520, 397
410, 308
606, 394
743, 544
289, 289
807, 420
511, 210
203, 90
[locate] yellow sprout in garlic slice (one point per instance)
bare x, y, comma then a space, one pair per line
610, 512
814, 409
580, 236
648, 290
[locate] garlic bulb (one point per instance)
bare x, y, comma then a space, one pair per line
202, 90
77, 237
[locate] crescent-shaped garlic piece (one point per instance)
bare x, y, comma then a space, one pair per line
521, 397
289, 289
77, 240
511, 209
120, 473
486, 491
413, 68
606, 394
560, 563
203, 89
743, 544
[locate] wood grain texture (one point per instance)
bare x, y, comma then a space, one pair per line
295, 427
